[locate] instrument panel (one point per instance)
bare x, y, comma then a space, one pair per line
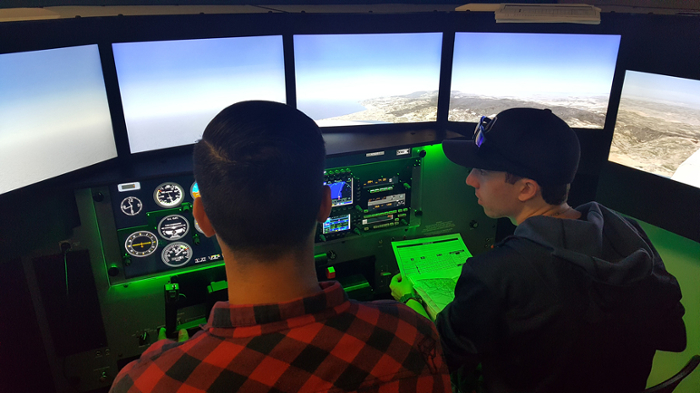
155, 228
155, 233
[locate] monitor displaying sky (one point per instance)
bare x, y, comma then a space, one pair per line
355, 79
54, 116
657, 129
569, 73
172, 89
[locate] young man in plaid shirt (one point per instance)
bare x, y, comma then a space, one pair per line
259, 166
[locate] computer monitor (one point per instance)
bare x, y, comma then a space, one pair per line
569, 73
359, 79
657, 129
54, 116
171, 89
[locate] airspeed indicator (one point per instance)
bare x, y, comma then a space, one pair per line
169, 194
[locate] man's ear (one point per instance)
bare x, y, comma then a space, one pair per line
202, 219
528, 189
326, 204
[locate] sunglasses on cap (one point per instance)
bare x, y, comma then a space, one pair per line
482, 127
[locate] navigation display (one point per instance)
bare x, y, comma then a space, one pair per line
172, 89
54, 115
341, 191
658, 126
358, 79
569, 73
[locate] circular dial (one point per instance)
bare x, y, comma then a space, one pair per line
141, 244
169, 195
196, 226
194, 190
173, 227
176, 254
131, 206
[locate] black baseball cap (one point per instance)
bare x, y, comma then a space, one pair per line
527, 142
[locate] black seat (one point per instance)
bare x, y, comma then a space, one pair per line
668, 385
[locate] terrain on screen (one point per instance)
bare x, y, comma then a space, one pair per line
655, 137
658, 126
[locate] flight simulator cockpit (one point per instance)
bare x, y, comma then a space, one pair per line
98, 117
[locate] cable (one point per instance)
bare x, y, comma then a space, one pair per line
65, 247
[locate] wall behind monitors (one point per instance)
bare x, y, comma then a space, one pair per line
171, 89
54, 116
658, 126
355, 79
570, 73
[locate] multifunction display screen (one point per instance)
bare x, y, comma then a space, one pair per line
341, 191
336, 224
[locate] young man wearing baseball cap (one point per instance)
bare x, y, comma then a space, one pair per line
577, 300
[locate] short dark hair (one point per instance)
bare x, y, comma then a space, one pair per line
259, 167
553, 195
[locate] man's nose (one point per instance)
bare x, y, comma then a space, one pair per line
471, 179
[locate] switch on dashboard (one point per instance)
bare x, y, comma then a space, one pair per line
143, 339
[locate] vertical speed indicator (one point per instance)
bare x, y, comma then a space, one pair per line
176, 254
169, 195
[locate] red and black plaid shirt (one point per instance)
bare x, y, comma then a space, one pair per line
322, 343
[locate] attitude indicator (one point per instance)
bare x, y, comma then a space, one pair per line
173, 227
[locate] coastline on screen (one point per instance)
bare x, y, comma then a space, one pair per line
358, 79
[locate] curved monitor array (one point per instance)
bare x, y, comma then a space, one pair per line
55, 118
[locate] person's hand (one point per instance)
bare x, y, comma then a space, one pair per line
181, 335
400, 287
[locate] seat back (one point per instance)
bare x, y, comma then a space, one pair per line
668, 385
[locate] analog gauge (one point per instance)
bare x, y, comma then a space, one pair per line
169, 195
141, 244
194, 190
173, 227
131, 206
196, 226
176, 254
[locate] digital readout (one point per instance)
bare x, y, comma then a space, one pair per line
336, 224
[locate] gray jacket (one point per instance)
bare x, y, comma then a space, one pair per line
565, 306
